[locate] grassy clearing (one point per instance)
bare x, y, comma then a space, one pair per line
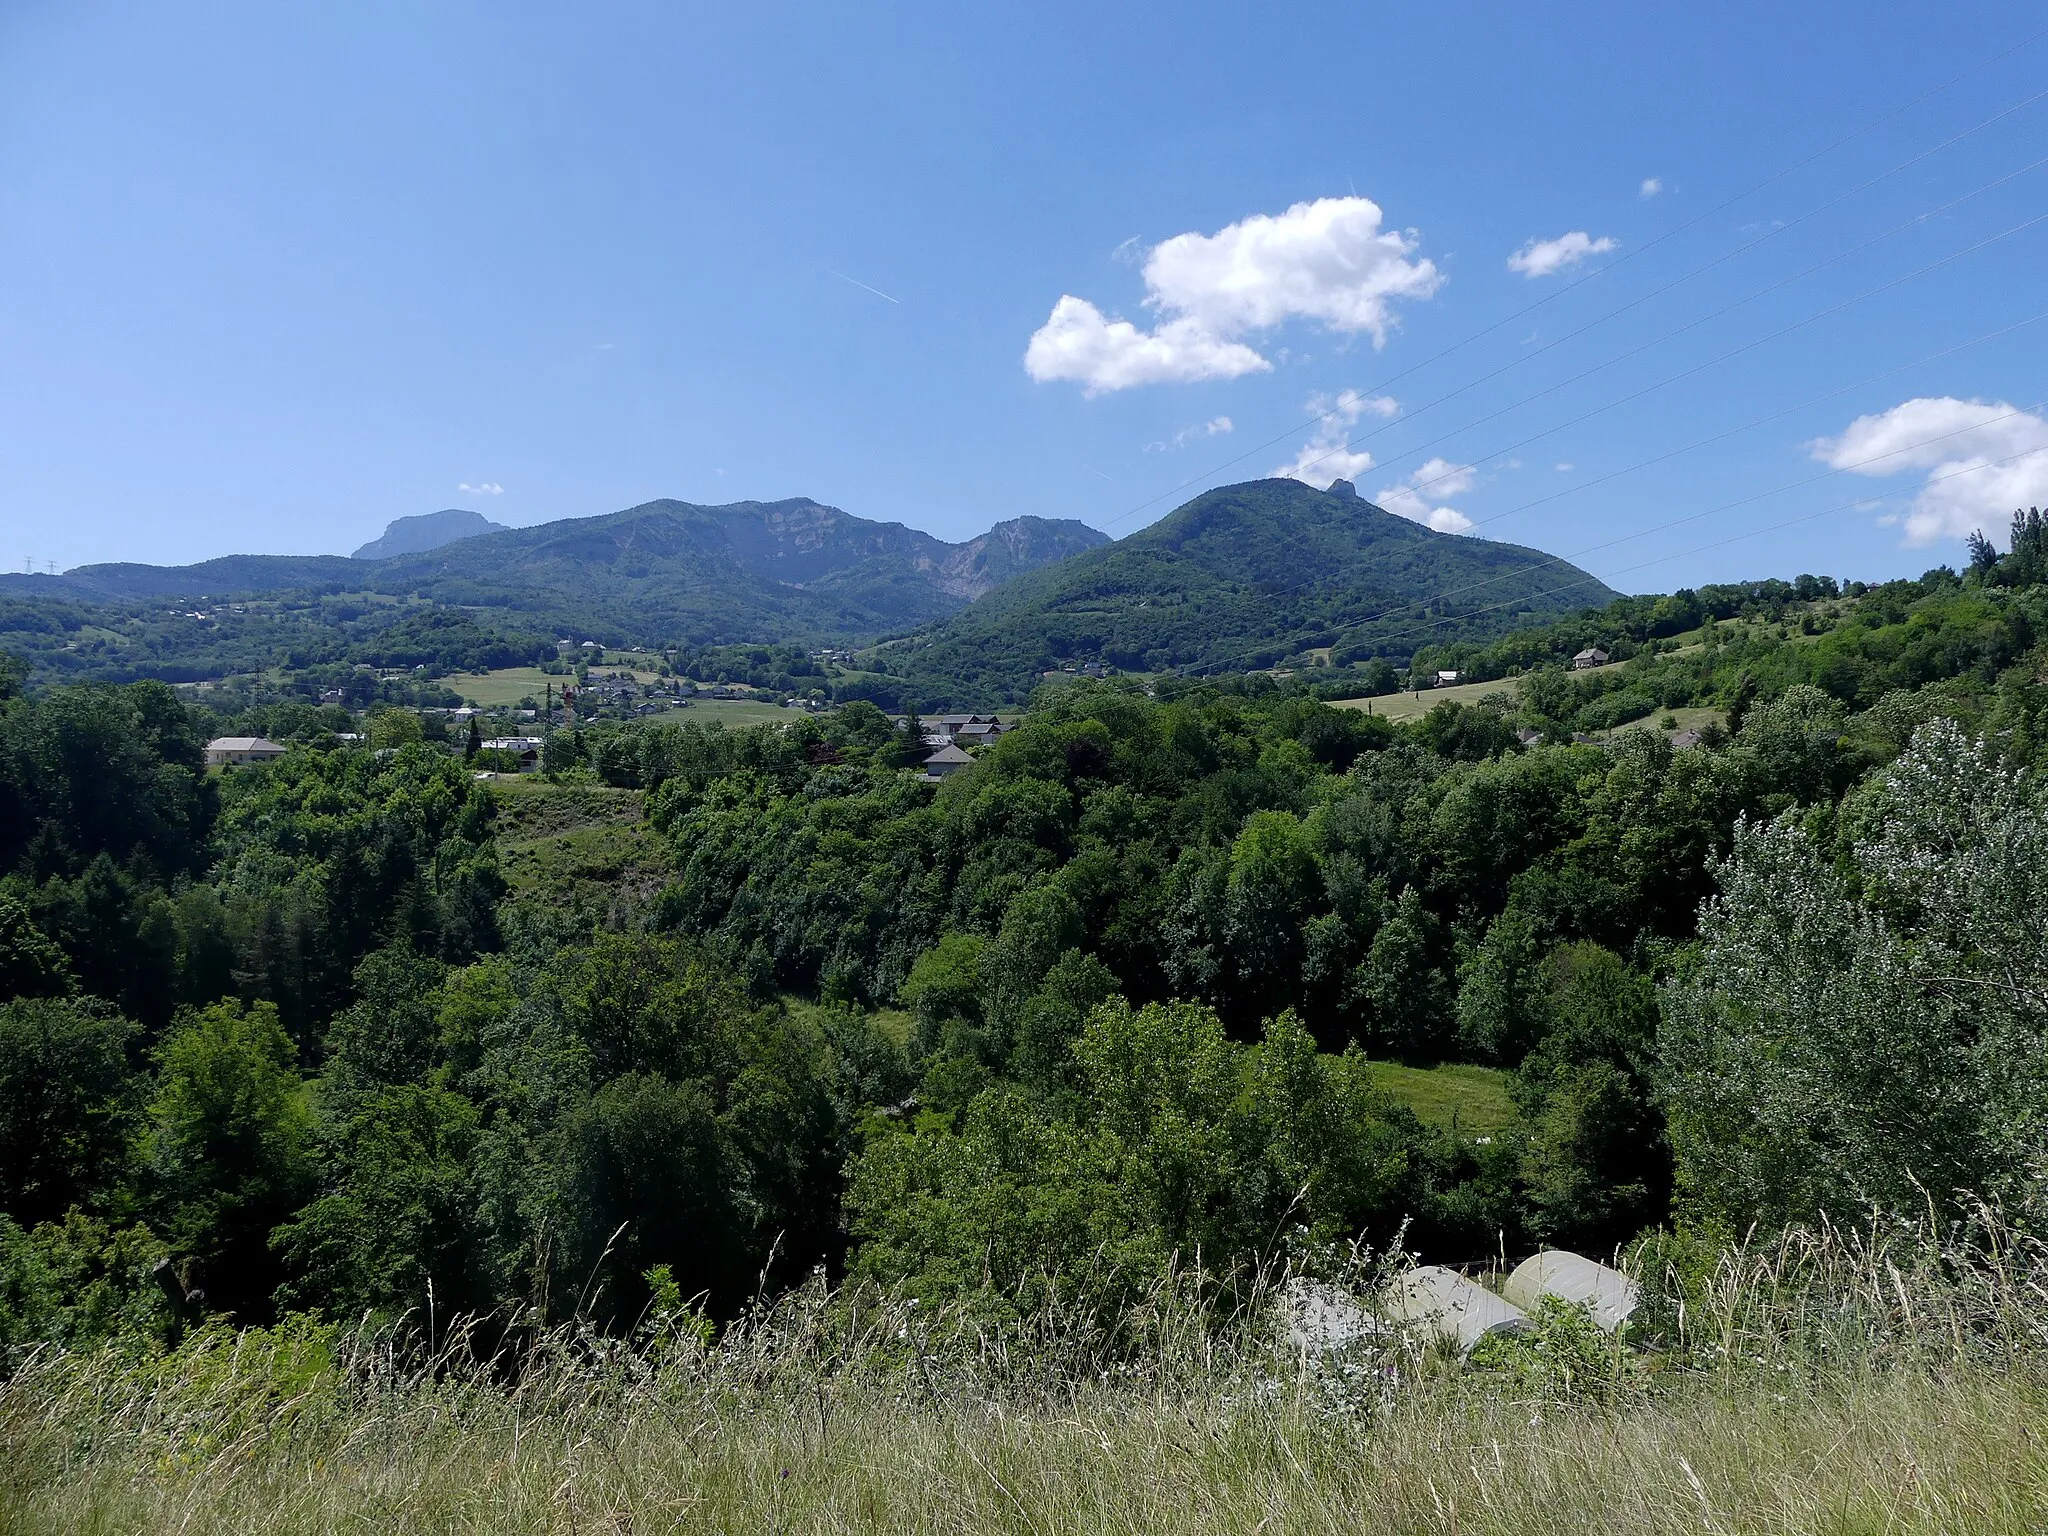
1411, 706
564, 836
506, 686
894, 1023
734, 713
1473, 1100
1832, 1383
1897, 1454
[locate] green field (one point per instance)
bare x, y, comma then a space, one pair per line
1403, 707
1473, 1100
734, 712
508, 685
1413, 706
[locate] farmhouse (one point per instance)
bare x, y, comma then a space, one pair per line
525, 748
232, 751
945, 762
1591, 656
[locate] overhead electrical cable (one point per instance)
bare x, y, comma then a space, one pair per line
1690, 325
1783, 331
1658, 240
1679, 522
1754, 533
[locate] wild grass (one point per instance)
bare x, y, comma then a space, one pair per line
1874, 1382
1459, 1097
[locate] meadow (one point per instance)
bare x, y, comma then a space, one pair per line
1828, 1383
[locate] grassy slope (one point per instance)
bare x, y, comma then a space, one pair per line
1412, 706
577, 838
1465, 1098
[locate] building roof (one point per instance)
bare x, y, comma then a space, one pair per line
1589, 653
948, 754
243, 744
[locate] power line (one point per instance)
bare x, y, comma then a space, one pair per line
1693, 325
1754, 533
1693, 517
1774, 335
1652, 244
1778, 415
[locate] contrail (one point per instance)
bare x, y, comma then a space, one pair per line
859, 284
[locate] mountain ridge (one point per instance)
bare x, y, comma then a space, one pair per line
1240, 577
739, 572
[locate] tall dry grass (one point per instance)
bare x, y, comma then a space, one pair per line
1881, 1381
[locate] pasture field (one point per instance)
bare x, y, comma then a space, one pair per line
1473, 1100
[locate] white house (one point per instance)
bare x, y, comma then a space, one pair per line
526, 748
231, 751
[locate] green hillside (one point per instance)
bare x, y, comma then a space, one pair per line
1241, 577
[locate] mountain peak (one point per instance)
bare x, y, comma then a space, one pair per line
429, 530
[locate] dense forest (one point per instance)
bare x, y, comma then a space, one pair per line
357, 1031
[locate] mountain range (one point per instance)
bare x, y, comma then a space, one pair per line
1241, 577
749, 571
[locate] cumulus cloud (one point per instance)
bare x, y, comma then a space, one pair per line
1325, 457
1415, 497
1540, 258
1213, 427
1964, 446
488, 488
1080, 343
1652, 185
1328, 261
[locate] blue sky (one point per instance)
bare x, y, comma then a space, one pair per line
271, 276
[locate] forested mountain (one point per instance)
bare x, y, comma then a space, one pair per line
667, 570
430, 530
1240, 577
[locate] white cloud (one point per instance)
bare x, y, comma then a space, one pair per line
488, 488
1566, 468
1432, 482
1079, 342
1325, 458
1960, 443
1540, 258
1213, 427
1328, 261
1652, 185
